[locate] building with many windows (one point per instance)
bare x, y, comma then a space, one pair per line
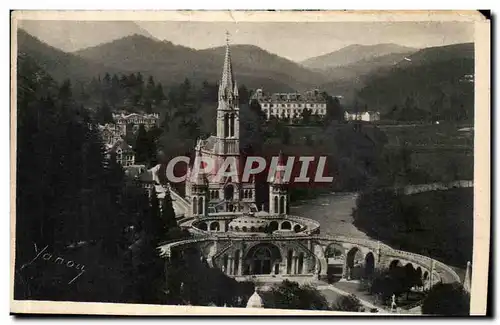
133, 120
123, 152
291, 105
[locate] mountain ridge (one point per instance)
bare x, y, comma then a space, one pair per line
353, 53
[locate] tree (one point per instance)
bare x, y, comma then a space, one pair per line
347, 303
168, 213
290, 295
306, 116
447, 299
141, 145
285, 136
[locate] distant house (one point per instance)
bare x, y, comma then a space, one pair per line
123, 152
367, 116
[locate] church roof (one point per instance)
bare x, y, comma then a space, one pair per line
255, 301
121, 144
209, 143
227, 81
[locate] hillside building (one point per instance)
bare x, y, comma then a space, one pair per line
291, 105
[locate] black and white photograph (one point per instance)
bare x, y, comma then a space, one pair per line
244, 164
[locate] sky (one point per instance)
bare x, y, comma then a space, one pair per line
299, 41
296, 41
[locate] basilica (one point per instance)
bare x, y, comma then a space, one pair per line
246, 243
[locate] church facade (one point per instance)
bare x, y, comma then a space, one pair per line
221, 194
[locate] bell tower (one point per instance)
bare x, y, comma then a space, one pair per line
228, 123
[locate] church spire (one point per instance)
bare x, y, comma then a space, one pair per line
227, 81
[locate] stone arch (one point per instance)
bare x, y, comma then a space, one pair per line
419, 272
394, 264
273, 225
203, 226
200, 205
214, 226
252, 229
334, 250
229, 192
244, 229
354, 263
286, 225
282, 205
237, 228
195, 205
262, 258
300, 263
296, 228
369, 264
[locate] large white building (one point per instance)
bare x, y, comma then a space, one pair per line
367, 116
123, 119
291, 105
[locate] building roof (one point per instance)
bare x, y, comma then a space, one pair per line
209, 143
121, 144
255, 300
248, 221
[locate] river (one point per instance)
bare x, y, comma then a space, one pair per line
332, 211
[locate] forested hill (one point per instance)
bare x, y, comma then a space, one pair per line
60, 65
431, 83
171, 63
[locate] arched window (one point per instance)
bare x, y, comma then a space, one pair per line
252, 229
229, 192
250, 194
282, 204
195, 205
300, 263
226, 125
200, 206
296, 228
286, 225
276, 206
231, 125
244, 229
289, 261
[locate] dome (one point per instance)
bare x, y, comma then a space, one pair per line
247, 223
255, 301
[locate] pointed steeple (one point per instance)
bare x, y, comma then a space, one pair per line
227, 81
